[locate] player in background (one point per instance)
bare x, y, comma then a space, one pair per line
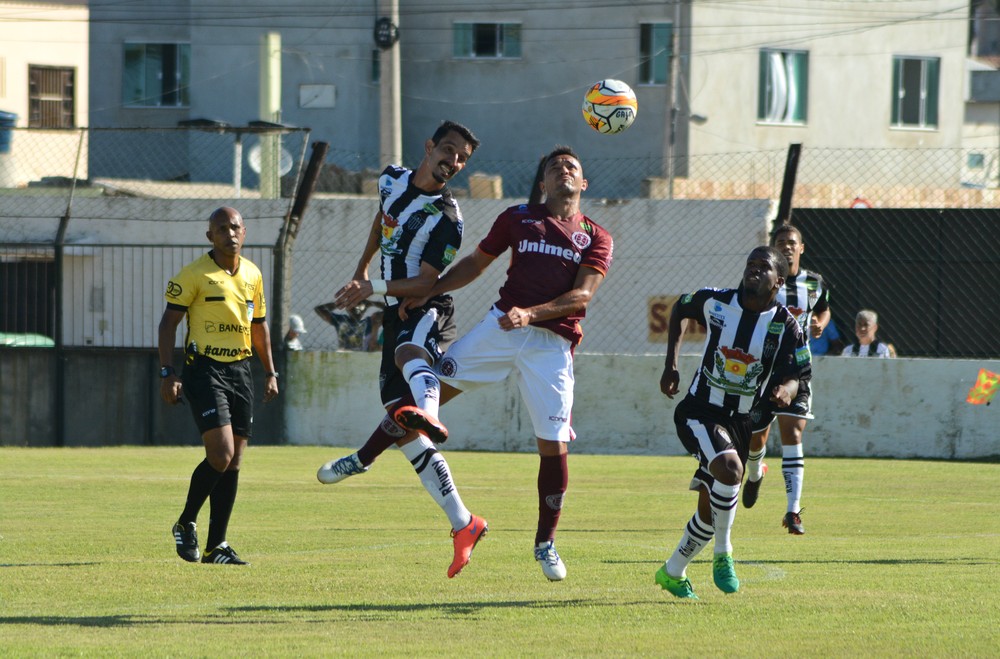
559, 258
868, 345
751, 340
416, 234
807, 298
222, 295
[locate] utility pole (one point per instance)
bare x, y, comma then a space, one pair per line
390, 112
270, 111
672, 99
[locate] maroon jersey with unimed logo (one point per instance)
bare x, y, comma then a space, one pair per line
546, 255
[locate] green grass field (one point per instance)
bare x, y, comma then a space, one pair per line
900, 559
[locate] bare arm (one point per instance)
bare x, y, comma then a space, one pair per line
670, 379
783, 394
571, 302
260, 337
360, 288
170, 386
457, 276
818, 322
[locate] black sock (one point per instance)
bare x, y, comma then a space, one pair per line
203, 481
222, 499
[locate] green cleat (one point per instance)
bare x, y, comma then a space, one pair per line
678, 587
725, 574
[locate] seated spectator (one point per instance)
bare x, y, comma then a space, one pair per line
829, 342
358, 328
296, 328
868, 345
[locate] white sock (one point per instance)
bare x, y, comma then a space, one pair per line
723, 499
424, 385
436, 478
695, 538
793, 468
754, 461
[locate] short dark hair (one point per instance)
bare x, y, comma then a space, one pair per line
786, 228
562, 150
448, 126
780, 262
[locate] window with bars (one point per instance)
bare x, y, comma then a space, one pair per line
156, 74
915, 92
51, 97
486, 40
655, 46
783, 89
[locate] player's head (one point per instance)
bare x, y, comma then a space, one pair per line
226, 230
788, 239
445, 154
865, 326
765, 272
562, 173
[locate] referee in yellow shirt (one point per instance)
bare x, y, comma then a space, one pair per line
222, 295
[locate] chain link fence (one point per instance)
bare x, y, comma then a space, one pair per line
94, 221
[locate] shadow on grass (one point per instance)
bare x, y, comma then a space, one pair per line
841, 561
460, 608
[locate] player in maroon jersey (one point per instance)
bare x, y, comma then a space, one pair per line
559, 257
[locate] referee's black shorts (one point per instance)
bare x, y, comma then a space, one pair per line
219, 393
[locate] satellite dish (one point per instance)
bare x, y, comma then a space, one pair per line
285, 161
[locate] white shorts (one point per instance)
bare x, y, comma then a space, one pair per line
544, 364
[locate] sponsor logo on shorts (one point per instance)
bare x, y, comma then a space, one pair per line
560, 419
449, 367
208, 412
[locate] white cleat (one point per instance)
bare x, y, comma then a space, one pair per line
552, 566
337, 470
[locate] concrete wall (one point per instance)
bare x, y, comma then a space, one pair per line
903, 408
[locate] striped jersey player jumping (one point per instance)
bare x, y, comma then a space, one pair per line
750, 339
416, 233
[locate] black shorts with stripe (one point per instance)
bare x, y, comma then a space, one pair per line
431, 326
706, 430
219, 393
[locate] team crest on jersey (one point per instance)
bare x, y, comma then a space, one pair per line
737, 371
580, 239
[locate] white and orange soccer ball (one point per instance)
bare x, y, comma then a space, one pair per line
610, 106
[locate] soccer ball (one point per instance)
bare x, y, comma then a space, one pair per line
610, 106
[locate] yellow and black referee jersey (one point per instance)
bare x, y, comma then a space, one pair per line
219, 306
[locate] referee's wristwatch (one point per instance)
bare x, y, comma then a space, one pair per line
271, 374
166, 371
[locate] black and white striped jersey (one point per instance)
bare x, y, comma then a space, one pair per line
742, 348
804, 294
417, 226
875, 349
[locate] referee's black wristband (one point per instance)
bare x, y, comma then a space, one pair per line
273, 374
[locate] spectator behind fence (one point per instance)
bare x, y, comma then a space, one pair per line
359, 328
296, 328
830, 342
868, 345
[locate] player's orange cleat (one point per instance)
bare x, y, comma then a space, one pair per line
414, 418
465, 541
